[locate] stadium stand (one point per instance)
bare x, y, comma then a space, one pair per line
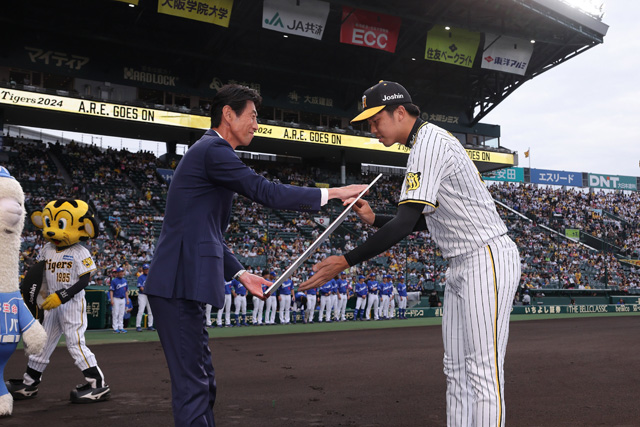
128, 197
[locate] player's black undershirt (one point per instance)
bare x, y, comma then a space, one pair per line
392, 229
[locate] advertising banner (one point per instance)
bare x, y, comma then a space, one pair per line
512, 174
507, 54
369, 29
490, 157
551, 177
306, 18
166, 174
572, 232
453, 46
211, 11
101, 109
613, 182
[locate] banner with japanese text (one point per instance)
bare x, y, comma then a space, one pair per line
306, 18
453, 46
574, 233
551, 177
512, 174
613, 182
369, 29
211, 11
507, 54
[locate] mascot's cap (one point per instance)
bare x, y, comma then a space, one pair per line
145, 267
119, 269
4, 173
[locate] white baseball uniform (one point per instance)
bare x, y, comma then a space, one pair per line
310, 309
258, 308
270, 310
482, 278
62, 270
143, 303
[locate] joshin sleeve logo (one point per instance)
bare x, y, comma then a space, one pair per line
413, 181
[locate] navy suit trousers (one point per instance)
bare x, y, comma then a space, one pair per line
185, 341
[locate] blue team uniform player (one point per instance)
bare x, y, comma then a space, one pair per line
239, 289
402, 292
361, 290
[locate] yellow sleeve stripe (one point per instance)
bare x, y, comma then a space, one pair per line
420, 201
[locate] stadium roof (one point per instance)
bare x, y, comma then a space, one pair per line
199, 55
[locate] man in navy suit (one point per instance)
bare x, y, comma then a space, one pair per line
192, 262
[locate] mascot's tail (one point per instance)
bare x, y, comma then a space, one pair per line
30, 288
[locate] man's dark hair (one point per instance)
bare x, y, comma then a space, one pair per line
236, 97
412, 109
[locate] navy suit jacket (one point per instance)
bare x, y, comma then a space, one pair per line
191, 260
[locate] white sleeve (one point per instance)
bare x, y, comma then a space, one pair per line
86, 263
428, 163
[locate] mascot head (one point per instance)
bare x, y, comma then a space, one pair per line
11, 212
65, 222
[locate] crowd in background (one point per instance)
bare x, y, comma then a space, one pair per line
128, 196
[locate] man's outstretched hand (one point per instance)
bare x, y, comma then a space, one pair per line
325, 270
253, 284
347, 192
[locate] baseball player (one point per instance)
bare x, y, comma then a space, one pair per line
284, 299
258, 304
402, 298
143, 302
325, 301
334, 299
386, 290
444, 192
207, 315
271, 305
392, 300
361, 290
342, 293
227, 307
118, 292
239, 293
310, 306
299, 304
372, 300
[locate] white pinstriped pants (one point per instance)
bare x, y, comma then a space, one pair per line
69, 319
479, 294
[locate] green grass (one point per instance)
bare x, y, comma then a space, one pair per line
106, 336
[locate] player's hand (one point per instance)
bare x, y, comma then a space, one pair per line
325, 270
362, 209
348, 192
254, 284
51, 302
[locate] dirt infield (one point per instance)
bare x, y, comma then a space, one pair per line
568, 372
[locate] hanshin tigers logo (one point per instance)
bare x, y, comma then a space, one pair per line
413, 181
